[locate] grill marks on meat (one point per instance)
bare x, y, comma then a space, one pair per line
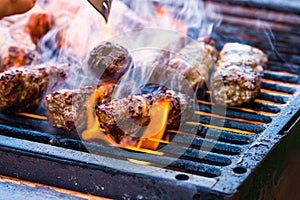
195, 61
237, 78
66, 108
109, 61
123, 119
22, 89
14, 56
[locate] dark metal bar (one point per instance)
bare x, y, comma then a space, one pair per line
240, 114
263, 107
278, 87
256, 128
273, 98
225, 136
292, 68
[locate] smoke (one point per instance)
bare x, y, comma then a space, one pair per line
85, 28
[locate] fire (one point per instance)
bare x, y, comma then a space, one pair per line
34, 116
141, 150
152, 135
93, 130
154, 132
138, 162
168, 22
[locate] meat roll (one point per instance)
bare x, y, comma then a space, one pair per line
195, 62
66, 107
123, 118
14, 56
109, 61
237, 78
22, 89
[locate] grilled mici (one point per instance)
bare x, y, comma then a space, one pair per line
195, 62
67, 107
109, 61
22, 88
13, 56
238, 74
123, 119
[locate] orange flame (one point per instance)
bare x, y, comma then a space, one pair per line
154, 132
141, 150
93, 130
140, 162
34, 116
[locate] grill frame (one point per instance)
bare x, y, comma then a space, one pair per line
76, 170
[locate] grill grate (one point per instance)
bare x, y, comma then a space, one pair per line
251, 129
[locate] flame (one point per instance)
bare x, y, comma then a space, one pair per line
110, 140
93, 130
164, 19
155, 130
34, 116
140, 162
141, 150
229, 118
222, 128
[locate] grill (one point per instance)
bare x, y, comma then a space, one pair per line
219, 163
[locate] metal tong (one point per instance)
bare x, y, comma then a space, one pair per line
102, 6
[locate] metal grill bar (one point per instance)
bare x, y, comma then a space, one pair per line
227, 150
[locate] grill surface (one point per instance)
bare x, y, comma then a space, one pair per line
252, 135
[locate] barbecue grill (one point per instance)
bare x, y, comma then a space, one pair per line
248, 152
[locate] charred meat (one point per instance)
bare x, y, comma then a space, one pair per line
22, 89
123, 119
66, 107
109, 61
14, 56
238, 73
195, 61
